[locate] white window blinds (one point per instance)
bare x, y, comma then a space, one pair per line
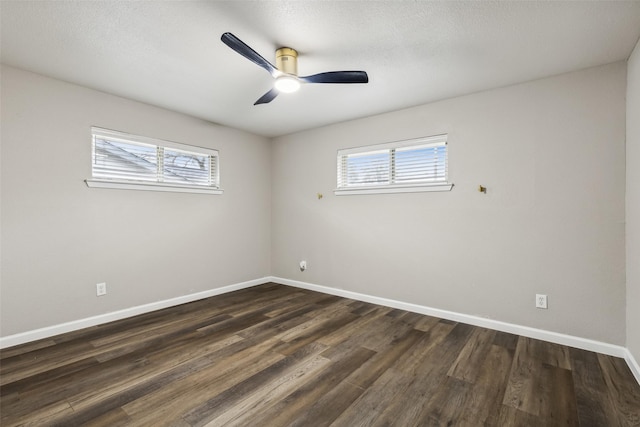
124, 158
412, 165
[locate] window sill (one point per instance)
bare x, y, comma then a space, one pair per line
392, 189
149, 186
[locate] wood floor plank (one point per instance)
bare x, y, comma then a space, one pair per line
443, 405
299, 298
411, 361
352, 329
383, 334
315, 331
46, 391
254, 403
366, 308
487, 393
426, 322
141, 332
331, 405
25, 348
595, 408
43, 379
167, 405
430, 385
373, 368
540, 381
380, 331
521, 393
214, 407
40, 415
621, 388
88, 408
328, 407
512, 417
318, 317
560, 408
151, 340
469, 362
273, 355
297, 403
364, 410
154, 366
506, 340
546, 352
114, 418
20, 367
83, 389
387, 397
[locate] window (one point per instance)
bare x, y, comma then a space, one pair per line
403, 166
120, 160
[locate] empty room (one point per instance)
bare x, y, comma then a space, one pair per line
319, 213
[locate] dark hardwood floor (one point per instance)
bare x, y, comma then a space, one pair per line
274, 356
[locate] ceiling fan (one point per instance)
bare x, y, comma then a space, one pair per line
285, 72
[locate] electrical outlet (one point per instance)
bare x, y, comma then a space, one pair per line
101, 289
541, 301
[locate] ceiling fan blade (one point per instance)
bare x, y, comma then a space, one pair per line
337, 77
267, 97
243, 49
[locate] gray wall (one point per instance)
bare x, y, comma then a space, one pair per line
550, 152
633, 203
552, 155
60, 238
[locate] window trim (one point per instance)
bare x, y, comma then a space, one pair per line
122, 184
394, 188
125, 184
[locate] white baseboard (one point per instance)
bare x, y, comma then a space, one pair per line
37, 334
633, 365
554, 337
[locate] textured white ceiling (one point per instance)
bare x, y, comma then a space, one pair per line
169, 53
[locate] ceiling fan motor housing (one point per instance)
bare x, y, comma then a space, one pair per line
287, 60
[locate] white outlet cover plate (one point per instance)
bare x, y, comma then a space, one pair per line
541, 301
101, 289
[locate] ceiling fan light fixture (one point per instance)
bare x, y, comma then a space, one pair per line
287, 83
285, 71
